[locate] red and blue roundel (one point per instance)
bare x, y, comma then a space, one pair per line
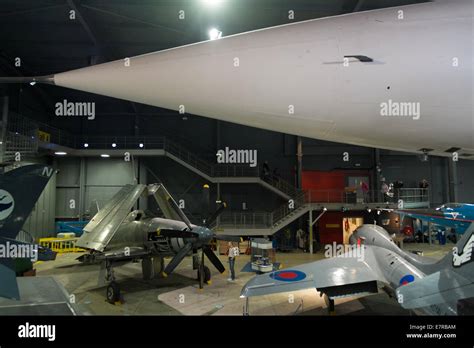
407, 279
288, 276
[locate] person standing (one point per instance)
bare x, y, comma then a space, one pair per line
365, 191
232, 253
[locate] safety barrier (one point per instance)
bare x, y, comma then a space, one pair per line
61, 245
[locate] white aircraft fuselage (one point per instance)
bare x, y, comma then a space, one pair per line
416, 94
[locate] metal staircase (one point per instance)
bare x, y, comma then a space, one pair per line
222, 173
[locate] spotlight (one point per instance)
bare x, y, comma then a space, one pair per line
325, 209
86, 145
104, 155
215, 34
114, 145
141, 145
212, 3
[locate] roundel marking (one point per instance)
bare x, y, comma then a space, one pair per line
407, 279
288, 276
7, 204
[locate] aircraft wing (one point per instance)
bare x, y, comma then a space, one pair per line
337, 277
118, 254
167, 204
436, 217
439, 287
100, 230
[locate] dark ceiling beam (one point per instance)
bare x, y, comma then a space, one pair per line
85, 25
150, 24
29, 11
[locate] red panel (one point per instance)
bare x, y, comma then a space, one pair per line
330, 228
328, 186
316, 180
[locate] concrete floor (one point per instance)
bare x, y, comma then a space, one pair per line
179, 293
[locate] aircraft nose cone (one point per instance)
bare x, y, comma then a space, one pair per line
205, 235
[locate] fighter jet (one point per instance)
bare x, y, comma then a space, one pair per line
385, 78
117, 235
20, 188
419, 283
454, 215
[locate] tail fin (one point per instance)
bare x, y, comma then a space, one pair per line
19, 190
462, 257
453, 282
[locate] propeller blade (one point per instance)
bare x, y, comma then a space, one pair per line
229, 238
176, 260
213, 258
176, 233
216, 214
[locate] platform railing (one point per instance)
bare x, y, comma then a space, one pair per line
343, 197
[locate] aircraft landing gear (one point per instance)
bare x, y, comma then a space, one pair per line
113, 293
113, 290
207, 274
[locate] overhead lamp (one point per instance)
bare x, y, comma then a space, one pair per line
114, 145
104, 155
86, 145
212, 3
325, 209
141, 145
215, 34
60, 153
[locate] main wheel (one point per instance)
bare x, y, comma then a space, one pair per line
113, 293
207, 274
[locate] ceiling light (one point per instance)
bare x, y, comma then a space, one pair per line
215, 34
114, 145
60, 153
104, 155
212, 3
32, 83
86, 145
141, 145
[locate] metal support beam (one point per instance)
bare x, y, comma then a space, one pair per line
453, 180
299, 155
311, 223
3, 134
82, 188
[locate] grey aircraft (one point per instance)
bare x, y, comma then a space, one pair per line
20, 188
117, 235
374, 261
